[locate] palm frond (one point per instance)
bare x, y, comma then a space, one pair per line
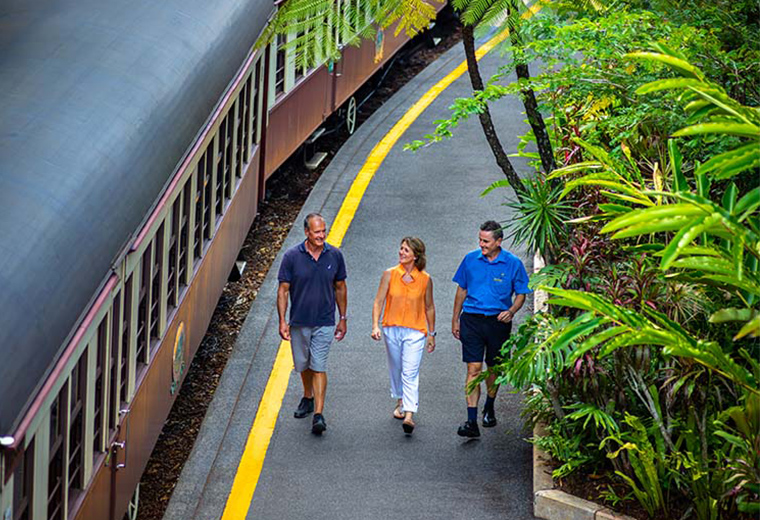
318, 29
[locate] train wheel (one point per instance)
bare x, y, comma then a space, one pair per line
133, 506
351, 115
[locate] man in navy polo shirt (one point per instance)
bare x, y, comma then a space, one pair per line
313, 274
483, 313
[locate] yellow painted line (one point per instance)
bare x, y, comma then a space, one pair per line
252, 461
249, 469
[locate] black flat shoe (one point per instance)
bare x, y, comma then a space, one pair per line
489, 419
318, 425
305, 407
469, 429
408, 427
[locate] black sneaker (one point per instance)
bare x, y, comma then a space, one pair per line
489, 419
305, 407
318, 425
469, 429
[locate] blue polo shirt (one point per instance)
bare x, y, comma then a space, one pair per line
312, 284
490, 285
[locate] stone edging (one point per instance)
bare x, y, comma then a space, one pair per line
550, 503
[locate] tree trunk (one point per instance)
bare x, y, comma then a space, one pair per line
468, 39
535, 119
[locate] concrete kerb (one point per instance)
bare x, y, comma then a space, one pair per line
550, 503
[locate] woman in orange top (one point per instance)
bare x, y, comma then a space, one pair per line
408, 319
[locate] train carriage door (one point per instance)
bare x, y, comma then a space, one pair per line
118, 463
123, 364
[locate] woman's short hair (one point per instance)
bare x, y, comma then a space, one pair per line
418, 248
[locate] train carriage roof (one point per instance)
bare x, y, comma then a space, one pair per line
98, 103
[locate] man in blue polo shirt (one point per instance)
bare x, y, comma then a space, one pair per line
313, 274
483, 313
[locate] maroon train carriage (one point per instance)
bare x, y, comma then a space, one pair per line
136, 138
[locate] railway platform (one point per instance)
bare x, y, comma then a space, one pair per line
254, 460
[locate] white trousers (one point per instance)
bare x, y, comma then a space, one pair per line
404, 347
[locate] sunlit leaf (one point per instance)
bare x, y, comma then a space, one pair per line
732, 314
748, 204
667, 84
734, 162
682, 66
684, 211
740, 129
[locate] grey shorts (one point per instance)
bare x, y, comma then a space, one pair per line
310, 346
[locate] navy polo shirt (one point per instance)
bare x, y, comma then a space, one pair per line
312, 284
490, 285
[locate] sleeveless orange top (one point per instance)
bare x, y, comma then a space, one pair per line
405, 301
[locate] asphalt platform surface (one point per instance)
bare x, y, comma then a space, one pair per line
364, 467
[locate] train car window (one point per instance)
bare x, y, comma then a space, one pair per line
369, 15
361, 16
340, 29
143, 289
300, 70
126, 330
313, 58
171, 268
76, 428
256, 99
279, 70
184, 233
207, 195
221, 165
155, 289
55, 468
113, 388
229, 157
22, 485
323, 35
349, 20
241, 140
100, 364
245, 135
200, 178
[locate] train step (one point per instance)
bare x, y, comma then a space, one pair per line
315, 135
315, 160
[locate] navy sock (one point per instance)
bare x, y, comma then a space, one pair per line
472, 413
489, 403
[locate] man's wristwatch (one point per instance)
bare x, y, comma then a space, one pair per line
343, 318
432, 334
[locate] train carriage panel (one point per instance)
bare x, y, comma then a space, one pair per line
359, 63
100, 103
295, 115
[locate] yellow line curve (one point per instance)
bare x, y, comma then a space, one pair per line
252, 461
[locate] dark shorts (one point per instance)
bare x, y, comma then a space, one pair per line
481, 334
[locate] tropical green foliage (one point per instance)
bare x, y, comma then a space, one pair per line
647, 463
318, 29
646, 367
541, 215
